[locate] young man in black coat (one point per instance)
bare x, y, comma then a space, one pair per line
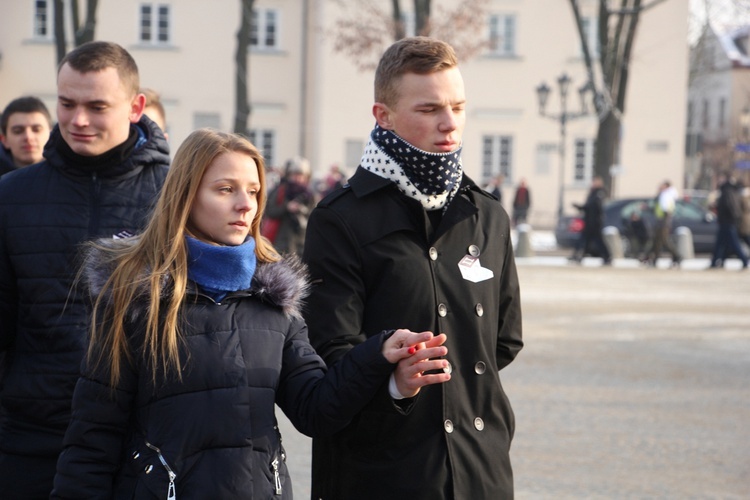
412, 242
104, 166
591, 239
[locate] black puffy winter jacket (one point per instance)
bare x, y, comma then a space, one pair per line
214, 433
46, 211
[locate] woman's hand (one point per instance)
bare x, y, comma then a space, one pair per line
415, 353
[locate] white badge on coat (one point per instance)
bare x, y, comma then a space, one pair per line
472, 270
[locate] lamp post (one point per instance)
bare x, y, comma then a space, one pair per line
543, 91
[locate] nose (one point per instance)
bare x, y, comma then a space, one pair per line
80, 118
244, 202
449, 121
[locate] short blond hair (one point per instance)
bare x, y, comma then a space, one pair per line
419, 54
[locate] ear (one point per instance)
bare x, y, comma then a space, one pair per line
137, 105
2, 139
382, 115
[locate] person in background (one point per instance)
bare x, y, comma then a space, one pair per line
743, 227
103, 167
155, 109
637, 231
495, 187
729, 215
404, 244
664, 207
289, 206
591, 239
521, 203
197, 335
24, 130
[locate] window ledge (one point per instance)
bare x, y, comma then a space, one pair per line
507, 57
155, 46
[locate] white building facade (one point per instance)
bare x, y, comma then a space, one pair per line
309, 100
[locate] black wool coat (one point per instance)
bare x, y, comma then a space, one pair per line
377, 263
216, 429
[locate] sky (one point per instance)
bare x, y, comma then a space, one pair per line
722, 14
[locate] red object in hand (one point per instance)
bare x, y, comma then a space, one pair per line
412, 350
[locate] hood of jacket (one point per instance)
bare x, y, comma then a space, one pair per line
284, 284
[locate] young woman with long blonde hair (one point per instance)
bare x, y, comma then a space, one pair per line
197, 333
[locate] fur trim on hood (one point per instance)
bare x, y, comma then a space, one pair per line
285, 284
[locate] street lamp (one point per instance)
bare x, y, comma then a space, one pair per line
543, 91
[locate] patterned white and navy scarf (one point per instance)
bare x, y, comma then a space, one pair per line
430, 178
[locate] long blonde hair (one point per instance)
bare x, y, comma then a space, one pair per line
157, 262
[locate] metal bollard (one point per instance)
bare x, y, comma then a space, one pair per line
523, 241
684, 239
614, 243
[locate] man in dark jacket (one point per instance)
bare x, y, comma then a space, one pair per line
591, 240
728, 214
412, 242
104, 166
24, 130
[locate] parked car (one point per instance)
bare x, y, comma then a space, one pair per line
701, 222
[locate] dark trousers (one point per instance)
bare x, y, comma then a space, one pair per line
663, 240
726, 240
591, 240
25, 477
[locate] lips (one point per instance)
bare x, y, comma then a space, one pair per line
82, 137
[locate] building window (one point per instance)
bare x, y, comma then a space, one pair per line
264, 29
410, 23
705, 113
584, 160
43, 19
690, 113
544, 155
722, 111
591, 32
206, 120
497, 157
502, 35
265, 141
155, 23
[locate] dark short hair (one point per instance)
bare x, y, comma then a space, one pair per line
26, 104
418, 54
98, 56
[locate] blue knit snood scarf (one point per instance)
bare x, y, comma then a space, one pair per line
219, 269
430, 178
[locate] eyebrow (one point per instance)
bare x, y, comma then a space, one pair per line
96, 102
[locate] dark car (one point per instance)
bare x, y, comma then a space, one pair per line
628, 214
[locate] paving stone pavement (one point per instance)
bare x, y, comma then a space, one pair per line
634, 383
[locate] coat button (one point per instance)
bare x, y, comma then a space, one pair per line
136, 455
442, 310
448, 369
148, 469
448, 425
479, 424
433, 253
480, 367
479, 309
473, 250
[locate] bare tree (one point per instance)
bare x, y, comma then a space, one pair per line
365, 28
83, 31
242, 89
617, 32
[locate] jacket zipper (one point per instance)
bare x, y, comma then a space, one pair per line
276, 476
171, 494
